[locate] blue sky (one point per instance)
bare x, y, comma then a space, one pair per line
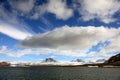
32, 30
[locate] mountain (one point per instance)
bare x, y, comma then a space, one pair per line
114, 59
77, 60
49, 60
4, 64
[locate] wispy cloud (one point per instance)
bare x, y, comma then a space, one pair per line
48, 24
12, 26
38, 51
19, 32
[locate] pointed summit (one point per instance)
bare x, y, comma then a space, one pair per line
49, 60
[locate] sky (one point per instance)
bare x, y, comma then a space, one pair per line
32, 30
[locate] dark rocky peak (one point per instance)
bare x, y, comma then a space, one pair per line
114, 59
49, 60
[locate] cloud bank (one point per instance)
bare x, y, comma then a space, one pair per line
74, 41
77, 41
71, 37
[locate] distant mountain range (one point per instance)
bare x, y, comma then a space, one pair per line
112, 61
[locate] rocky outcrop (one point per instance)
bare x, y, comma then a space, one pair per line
114, 59
4, 64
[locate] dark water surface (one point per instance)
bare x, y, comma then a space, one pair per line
60, 73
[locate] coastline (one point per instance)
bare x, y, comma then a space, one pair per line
98, 65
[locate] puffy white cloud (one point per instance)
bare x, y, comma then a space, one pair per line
81, 38
102, 10
60, 9
18, 32
22, 5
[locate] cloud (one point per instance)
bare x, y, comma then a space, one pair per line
92, 56
6, 16
38, 51
60, 9
71, 38
18, 32
71, 41
77, 41
28, 9
38, 11
24, 6
12, 26
113, 46
57, 7
3, 49
102, 10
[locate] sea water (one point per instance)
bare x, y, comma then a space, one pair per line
59, 73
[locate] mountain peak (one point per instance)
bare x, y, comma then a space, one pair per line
49, 60
114, 59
